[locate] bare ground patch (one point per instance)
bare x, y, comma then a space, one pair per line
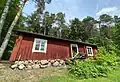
34, 75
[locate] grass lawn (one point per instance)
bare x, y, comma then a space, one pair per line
113, 77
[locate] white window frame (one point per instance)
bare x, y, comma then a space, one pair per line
72, 51
34, 44
91, 51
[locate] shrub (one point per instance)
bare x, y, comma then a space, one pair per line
106, 58
99, 66
87, 69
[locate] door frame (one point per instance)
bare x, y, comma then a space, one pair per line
71, 49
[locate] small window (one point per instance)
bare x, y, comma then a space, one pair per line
39, 45
89, 51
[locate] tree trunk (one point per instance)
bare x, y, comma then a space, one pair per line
3, 16
7, 37
44, 30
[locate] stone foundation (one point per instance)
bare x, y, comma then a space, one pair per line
32, 64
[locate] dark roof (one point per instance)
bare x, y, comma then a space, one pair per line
46, 36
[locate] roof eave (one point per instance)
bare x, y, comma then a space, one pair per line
26, 32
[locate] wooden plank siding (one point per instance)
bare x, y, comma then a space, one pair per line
16, 47
82, 49
55, 50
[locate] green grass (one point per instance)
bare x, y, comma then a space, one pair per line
57, 79
113, 77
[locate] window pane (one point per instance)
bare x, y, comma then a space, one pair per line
42, 46
37, 41
89, 51
42, 49
37, 46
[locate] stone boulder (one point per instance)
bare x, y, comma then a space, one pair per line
25, 62
44, 62
57, 60
49, 64
30, 61
20, 62
52, 61
60, 65
35, 66
43, 66
32, 64
16, 62
21, 66
55, 64
35, 61
28, 67
62, 62
39, 62
14, 66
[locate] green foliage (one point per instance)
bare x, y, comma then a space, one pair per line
10, 16
48, 24
76, 30
105, 18
33, 23
87, 69
116, 33
9, 48
106, 58
112, 77
99, 66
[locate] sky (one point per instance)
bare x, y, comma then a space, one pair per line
78, 8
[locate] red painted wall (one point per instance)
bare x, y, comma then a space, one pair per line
16, 47
82, 49
55, 50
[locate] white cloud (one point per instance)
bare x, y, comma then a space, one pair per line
69, 7
110, 11
97, 6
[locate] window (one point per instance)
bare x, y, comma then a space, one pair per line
89, 51
40, 45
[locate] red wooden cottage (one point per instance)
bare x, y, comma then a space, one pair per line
32, 46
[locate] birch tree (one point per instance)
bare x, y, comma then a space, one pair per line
3, 16
41, 5
7, 37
